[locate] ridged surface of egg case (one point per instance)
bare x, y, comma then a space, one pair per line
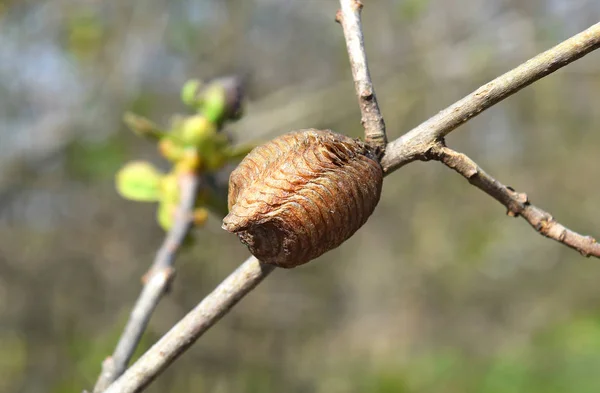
302, 194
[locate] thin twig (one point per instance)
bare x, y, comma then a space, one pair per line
516, 203
157, 283
419, 143
372, 120
412, 145
192, 326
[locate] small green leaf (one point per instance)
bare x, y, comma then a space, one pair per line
214, 105
143, 126
189, 93
139, 181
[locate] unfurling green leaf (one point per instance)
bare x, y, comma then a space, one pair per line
139, 181
214, 103
143, 126
189, 93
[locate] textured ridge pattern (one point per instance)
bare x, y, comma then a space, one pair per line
302, 194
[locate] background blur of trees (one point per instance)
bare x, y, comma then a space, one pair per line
439, 292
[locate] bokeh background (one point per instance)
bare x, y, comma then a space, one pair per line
439, 291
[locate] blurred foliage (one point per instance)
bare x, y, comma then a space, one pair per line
410, 10
439, 291
94, 161
84, 353
13, 362
85, 35
194, 144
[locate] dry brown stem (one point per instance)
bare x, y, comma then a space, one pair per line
372, 120
516, 203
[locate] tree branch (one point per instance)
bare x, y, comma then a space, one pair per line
372, 120
414, 144
192, 326
423, 142
157, 282
517, 204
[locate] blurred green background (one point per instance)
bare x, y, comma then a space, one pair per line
439, 291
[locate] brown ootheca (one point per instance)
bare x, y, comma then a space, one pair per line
302, 194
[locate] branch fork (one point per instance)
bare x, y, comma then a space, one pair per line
517, 204
425, 142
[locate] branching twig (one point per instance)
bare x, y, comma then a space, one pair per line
412, 145
419, 143
192, 326
372, 120
157, 282
517, 204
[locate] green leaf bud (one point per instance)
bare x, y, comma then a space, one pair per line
196, 129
